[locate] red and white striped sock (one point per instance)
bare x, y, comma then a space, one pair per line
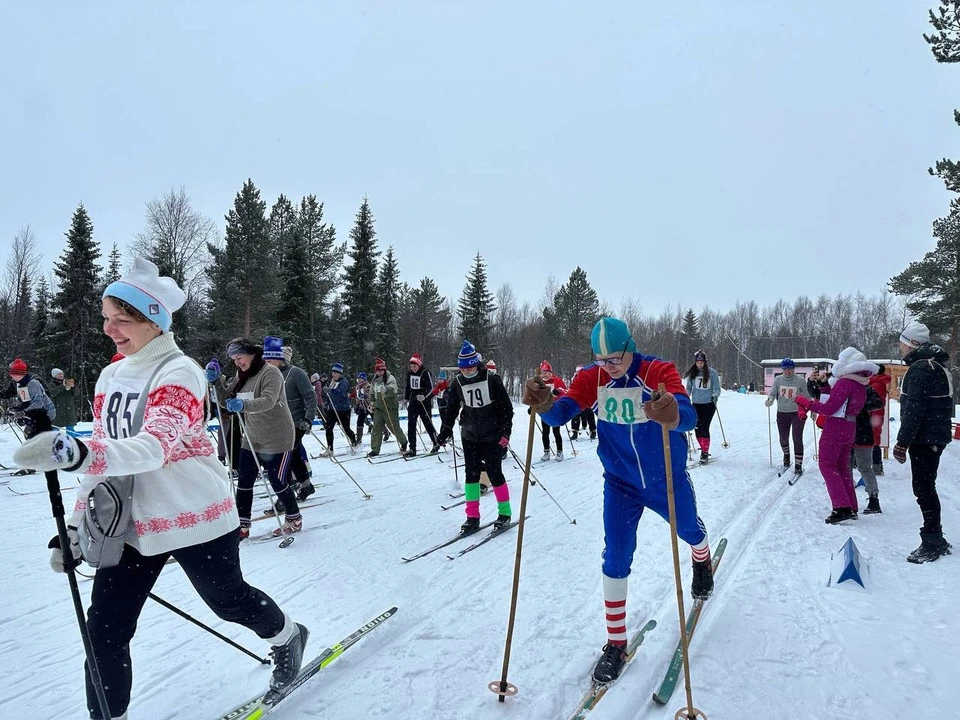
701, 551
615, 607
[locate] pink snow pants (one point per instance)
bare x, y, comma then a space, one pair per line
836, 444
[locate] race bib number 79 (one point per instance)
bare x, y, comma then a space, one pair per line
621, 406
476, 395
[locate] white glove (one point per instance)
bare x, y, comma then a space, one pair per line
52, 450
769, 401
420, 398
56, 554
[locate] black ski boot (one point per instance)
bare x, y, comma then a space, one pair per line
839, 515
471, 525
277, 509
501, 522
305, 490
434, 450
873, 506
798, 470
593, 435
610, 664
933, 546
412, 452
702, 586
704, 457
287, 659
786, 459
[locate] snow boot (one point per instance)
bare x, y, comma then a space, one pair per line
471, 525
702, 586
403, 449
287, 659
545, 456
839, 515
412, 452
610, 664
574, 435
704, 457
786, 459
501, 522
798, 470
305, 490
559, 457
289, 527
434, 450
933, 546
593, 435
873, 506
277, 509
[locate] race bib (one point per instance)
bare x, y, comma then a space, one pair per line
118, 409
703, 384
476, 395
621, 406
788, 393
414, 382
23, 393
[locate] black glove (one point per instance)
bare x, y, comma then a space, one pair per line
443, 436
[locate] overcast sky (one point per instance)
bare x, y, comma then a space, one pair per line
695, 153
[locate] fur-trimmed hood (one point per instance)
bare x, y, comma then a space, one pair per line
854, 365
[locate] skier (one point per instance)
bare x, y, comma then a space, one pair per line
302, 402
881, 385
64, 394
386, 408
585, 419
703, 387
419, 404
337, 406
181, 501
790, 417
862, 457
361, 398
29, 390
847, 395
557, 388
485, 411
926, 409
620, 386
440, 390
257, 391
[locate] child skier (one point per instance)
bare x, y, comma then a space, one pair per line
419, 404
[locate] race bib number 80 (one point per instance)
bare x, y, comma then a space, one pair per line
621, 406
476, 395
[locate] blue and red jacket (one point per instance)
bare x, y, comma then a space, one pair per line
630, 446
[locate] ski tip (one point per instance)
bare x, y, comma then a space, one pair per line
659, 700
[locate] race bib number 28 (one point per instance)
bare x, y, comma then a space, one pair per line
621, 406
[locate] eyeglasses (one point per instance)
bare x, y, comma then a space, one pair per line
615, 361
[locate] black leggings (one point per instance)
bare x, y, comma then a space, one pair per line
787, 421
545, 432
213, 568
277, 466
332, 418
924, 463
483, 457
298, 463
422, 411
584, 419
705, 413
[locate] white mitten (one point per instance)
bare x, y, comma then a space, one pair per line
56, 554
52, 450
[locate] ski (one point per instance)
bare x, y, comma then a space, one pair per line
454, 504
17, 472
376, 459
700, 463
456, 495
444, 544
676, 663
598, 690
410, 458
260, 705
796, 476
304, 506
485, 539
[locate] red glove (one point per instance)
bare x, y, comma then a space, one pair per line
900, 453
802, 414
803, 402
504, 441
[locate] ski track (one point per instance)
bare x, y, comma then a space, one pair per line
773, 638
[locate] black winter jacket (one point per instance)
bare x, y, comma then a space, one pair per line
419, 383
926, 398
487, 411
864, 436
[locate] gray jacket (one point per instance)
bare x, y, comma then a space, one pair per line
265, 412
301, 398
785, 392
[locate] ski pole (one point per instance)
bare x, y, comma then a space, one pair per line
690, 711
725, 444
816, 448
572, 446
343, 431
227, 439
538, 481
501, 687
366, 495
266, 485
770, 435
690, 446
428, 415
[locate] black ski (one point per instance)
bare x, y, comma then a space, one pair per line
444, 544
485, 539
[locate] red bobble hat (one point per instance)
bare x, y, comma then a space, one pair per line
545, 366
380, 364
18, 367
491, 365
415, 358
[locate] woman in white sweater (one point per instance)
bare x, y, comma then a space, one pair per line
182, 506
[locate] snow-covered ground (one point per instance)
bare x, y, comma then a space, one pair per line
774, 641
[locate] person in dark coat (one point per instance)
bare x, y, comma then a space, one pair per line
926, 411
418, 391
64, 394
862, 456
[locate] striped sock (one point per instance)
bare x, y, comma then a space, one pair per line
615, 608
701, 551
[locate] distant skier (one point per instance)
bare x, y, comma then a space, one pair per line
336, 394
881, 385
483, 406
417, 393
703, 387
586, 419
790, 417
29, 391
386, 408
620, 387
557, 387
65, 395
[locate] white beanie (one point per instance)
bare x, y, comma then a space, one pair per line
915, 334
155, 296
55, 372
287, 353
315, 377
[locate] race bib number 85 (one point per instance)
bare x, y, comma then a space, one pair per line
622, 406
476, 395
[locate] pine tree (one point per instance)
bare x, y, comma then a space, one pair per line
360, 292
113, 271
243, 270
324, 258
388, 310
425, 321
576, 309
41, 325
293, 310
476, 308
79, 346
945, 45
933, 283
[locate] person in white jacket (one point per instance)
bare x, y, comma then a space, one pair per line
182, 505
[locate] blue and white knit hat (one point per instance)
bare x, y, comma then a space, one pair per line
272, 348
337, 367
155, 296
361, 376
468, 357
611, 336
787, 363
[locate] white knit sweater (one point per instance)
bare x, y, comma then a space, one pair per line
181, 496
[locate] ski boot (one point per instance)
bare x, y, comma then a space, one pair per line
798, 470
610, 664
287, 659
484, 489
372, 453
434, 450
786, 460
412, 452
839, 515
704, 457
545, 456
702, 586
559, 457
873, 506
289, 527
328, 453
933, 546
501, 522
277, 509
305, 490
470, 526
574, 435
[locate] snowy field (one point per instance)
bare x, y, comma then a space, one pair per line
774, 641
